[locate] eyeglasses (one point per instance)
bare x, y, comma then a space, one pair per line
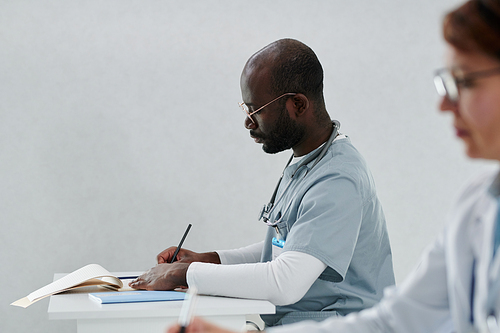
447, 84
245, 108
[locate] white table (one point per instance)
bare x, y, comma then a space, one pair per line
149, 317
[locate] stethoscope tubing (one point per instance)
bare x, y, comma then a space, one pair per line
317, 157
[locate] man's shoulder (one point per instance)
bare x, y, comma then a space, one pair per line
344, 146
344, 157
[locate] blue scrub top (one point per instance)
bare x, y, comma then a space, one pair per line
334, 215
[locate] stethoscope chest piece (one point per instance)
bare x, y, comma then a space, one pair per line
264, 212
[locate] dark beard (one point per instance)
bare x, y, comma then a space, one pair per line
285, 134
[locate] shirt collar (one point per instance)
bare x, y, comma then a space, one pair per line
296, 160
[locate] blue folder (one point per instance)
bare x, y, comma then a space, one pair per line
136, 296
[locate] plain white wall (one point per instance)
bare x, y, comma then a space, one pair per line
119, 125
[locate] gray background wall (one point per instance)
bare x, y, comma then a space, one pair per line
119, 125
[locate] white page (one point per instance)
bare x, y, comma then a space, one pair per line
91, 271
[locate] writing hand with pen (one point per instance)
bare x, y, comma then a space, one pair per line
170, 272
186, 256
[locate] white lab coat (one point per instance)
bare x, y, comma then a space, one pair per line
436, 296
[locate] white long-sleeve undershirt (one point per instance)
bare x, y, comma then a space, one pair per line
244, 255
282, 281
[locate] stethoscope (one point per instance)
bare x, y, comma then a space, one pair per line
491, 320
268, 208
492, 325
493, 293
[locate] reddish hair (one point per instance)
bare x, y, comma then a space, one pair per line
475, 26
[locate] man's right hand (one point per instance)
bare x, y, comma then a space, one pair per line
187, 256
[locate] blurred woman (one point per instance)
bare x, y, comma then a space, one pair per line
456, 286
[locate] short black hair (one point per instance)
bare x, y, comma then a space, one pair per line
295, 68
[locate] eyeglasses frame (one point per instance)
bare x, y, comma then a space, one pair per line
244, 107
443, 76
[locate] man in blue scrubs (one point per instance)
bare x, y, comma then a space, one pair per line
326, 252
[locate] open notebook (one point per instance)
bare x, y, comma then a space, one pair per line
92, 275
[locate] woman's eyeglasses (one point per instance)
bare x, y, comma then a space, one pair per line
448, 84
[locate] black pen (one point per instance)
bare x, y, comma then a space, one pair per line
127, 277
180, 244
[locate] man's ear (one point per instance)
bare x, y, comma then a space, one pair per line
300, 104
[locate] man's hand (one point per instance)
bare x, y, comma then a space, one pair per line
187, 256
163, 277
183, 256
199, 326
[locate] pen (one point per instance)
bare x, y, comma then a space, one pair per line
187, 310
180, 243
127, 277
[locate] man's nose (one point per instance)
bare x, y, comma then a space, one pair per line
249, 124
